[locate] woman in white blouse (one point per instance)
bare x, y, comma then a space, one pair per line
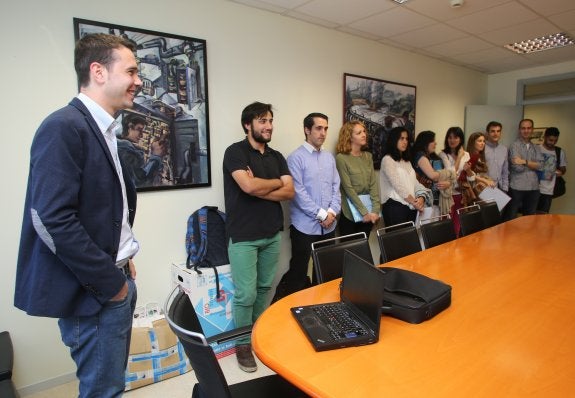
402, 196
454, 157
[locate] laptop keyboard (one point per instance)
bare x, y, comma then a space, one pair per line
339, 321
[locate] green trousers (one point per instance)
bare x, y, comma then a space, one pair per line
254, 265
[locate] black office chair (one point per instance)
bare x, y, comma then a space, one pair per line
398, 240
470, 219
490, 213
437, 230
7, 389
327, 254
212, 383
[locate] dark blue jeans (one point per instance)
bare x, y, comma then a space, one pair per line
100, 344
544, 205
522, 201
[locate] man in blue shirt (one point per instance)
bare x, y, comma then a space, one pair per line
316, 203
496, 156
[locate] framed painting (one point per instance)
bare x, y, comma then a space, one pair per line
537, 135
164, 140
381, 105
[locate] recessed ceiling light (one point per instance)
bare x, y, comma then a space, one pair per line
400, 1
541, 43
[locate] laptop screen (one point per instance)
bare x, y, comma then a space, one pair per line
362, 288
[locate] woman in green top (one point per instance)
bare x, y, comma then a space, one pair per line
359, 185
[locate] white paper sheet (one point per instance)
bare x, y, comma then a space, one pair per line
500, 197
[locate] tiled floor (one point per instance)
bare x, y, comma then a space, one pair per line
176, 387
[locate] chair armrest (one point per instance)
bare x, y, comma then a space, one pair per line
230, 335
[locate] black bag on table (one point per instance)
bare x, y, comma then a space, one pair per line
412, 297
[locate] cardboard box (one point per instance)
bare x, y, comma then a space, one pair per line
214, 313
155, 355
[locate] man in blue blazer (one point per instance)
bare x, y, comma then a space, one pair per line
76, 248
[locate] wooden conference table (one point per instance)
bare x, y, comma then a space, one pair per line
510, 330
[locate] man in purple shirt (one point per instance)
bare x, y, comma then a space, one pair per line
316, 203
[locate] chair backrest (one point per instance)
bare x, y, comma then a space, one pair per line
470, 219
490, 213
184, 322
437, 230
327, 254
398, 240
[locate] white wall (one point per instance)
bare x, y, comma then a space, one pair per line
252, 55
502, 87
562, 117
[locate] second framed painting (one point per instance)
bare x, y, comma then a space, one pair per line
164, 141
381, 105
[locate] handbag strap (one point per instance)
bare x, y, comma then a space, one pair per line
558, 154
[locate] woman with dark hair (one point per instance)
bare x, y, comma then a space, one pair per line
454, 158
358, 180
431, 173
402, 196
474, 177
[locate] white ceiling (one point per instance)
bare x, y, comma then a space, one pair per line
471, 35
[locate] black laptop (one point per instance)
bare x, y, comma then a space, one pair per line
355, 319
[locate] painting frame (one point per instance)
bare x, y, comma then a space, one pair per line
381, 105
164, 140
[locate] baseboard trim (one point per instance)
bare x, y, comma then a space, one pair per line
47, 384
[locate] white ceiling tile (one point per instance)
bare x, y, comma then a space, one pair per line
494, 18
312, 19
344, 11
396, 44
460, 46
273, 5
492, 54
429, 36
550, 7
565, 21
397, 20
441, 10
357, 32
505, 65
524, 31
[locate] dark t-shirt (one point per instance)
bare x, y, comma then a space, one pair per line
248, 217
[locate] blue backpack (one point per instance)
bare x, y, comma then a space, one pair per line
206, 238
206, 244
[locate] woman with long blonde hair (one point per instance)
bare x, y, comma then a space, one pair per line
359, 187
